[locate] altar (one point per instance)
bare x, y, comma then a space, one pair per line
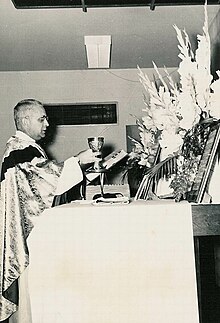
130, 263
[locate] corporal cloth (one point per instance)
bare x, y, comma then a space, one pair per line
29, 182
129, 263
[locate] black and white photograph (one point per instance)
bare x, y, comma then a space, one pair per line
109, 148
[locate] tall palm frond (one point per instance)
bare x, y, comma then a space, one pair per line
163, 169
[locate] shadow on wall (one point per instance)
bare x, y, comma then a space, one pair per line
215, 63
107, 149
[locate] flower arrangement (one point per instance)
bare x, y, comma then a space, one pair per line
177, 116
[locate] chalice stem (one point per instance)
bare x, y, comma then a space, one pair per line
96, 165
102, 175
96, 144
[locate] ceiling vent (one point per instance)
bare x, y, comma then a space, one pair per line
98, 51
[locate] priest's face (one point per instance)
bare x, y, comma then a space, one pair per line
36, 123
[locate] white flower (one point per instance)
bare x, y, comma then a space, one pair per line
144, 161
188, 110
170, 143
164, 119
148, 122
147, 138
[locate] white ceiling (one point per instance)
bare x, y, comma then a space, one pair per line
53, 39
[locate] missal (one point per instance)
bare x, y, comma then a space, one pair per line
108, 162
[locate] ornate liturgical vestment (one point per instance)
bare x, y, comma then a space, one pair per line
29, 182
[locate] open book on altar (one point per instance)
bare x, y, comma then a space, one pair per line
108, 162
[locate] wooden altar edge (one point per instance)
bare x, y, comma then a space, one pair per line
206, 219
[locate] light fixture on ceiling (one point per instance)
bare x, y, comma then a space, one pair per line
98, 51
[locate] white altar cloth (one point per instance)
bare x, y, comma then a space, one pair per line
113, 264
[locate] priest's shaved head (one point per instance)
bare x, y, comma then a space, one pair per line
30, 117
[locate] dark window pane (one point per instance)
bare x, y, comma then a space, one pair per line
82, 114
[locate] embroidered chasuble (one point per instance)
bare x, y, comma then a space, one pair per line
28, 185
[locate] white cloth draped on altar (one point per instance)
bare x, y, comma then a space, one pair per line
113, 264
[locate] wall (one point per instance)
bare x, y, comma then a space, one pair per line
214, 32
122, 86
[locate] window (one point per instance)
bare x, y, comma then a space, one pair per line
82, 113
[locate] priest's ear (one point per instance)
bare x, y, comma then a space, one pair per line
25, 121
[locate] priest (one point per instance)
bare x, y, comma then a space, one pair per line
30, 182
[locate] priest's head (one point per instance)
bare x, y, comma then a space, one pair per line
31, 118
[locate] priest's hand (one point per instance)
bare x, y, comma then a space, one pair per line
88, 157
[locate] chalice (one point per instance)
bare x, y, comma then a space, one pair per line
96, 144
